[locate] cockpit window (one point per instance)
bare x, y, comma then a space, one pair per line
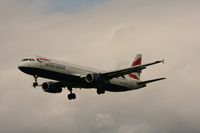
24, 60
28, 59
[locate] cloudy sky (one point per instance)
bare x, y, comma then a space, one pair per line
104, 34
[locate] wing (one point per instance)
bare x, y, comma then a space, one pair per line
122, 72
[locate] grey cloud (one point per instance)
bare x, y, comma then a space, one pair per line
103, 120
104, 37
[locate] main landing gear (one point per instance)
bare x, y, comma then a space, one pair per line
35, 83
100, 91
71, 95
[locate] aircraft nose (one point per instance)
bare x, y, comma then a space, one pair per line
20, 66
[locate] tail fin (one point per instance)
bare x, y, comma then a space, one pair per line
137, 61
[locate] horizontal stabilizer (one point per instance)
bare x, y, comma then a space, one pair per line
150, 81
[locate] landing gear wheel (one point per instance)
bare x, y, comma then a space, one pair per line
100, 91
72, 96
35, 84
103, 91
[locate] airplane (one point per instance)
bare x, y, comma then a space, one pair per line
75, 76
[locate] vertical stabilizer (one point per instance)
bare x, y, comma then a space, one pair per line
137, 61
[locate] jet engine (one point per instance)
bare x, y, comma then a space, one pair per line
93, 77
51, 87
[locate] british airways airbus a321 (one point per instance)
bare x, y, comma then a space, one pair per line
75, 76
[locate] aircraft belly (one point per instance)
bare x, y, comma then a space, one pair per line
68, 80
114, 88
49, 74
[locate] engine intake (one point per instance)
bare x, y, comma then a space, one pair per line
51, 87
93, 77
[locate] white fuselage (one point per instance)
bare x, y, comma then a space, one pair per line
72, 74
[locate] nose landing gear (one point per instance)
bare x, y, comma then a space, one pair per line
35, 84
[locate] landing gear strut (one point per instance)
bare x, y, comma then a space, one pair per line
71, 95
35, 83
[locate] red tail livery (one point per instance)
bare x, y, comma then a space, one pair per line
137, 61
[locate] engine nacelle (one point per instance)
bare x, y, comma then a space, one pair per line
93, 77
51, 87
